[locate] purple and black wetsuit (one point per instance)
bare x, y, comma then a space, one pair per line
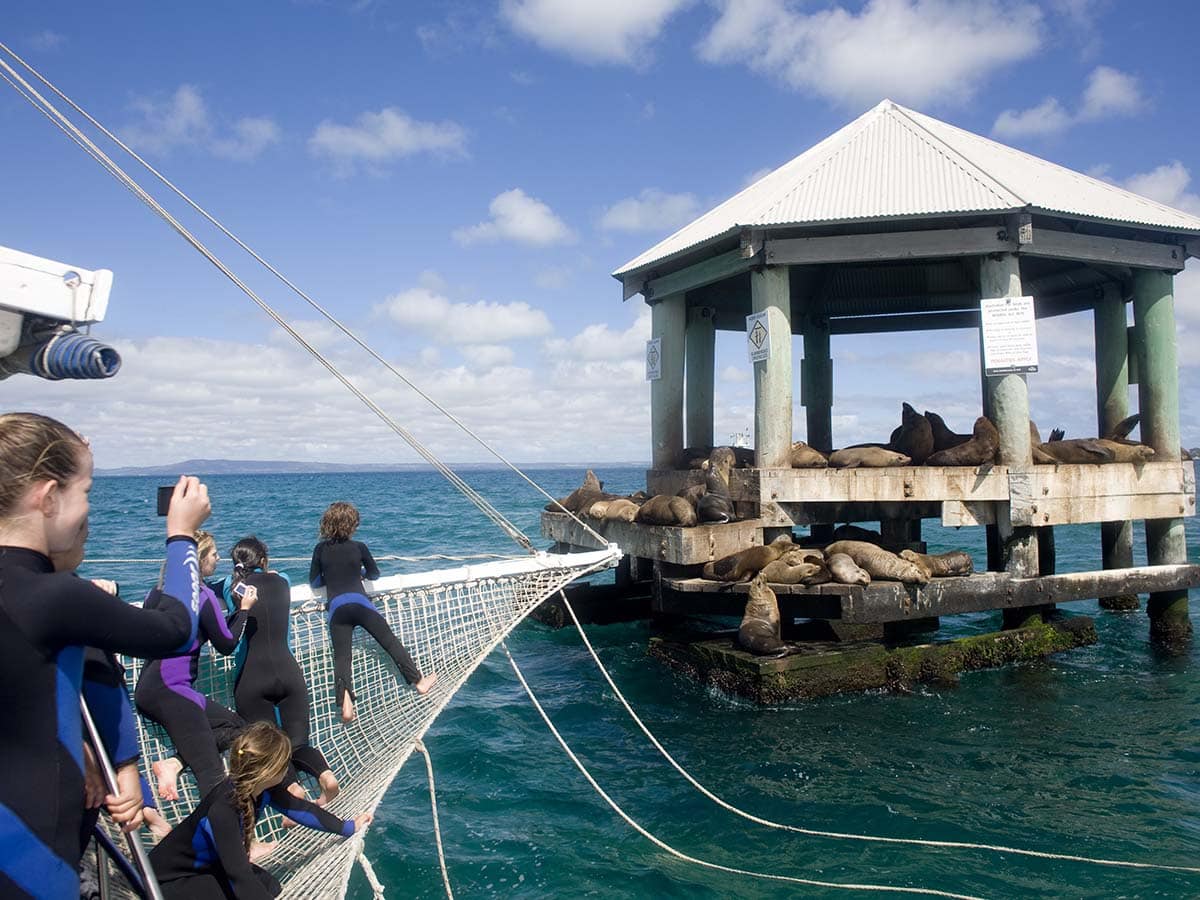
166, 693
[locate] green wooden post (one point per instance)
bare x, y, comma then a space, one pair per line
770, 293
816, 388
698, 376
1000, 276
668, 323
1112, 405
1158, 402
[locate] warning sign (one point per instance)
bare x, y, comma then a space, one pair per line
758, 337
654, 359
1009, 335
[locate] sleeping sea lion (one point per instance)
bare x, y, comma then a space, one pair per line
663, 509
980, 450
942, 565
794, 567
879, 563
915, 439
850, 532
1126, 451
715, 504
692, 494
943, 437
598, 509
867, 458
745, 564
759, 631
845, 570
581, 499
1081, 451
805, 457
620, 510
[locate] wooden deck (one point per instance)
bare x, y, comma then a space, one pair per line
682, 546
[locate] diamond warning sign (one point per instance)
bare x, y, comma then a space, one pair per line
758, 337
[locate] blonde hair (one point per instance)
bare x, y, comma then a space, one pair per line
204, 542
35, 448
339, 521
257, 753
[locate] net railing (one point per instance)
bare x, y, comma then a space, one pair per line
450, 620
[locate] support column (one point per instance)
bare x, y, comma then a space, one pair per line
667, 322
701, 350
1000, 276
770, 293
816, 388
1112, 405
1158, 403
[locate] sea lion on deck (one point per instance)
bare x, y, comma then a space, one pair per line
845, 570
794, 567
943, 437
597, 509
941, 565
759, 631
805, 457
879, 563
867, 458
915, 439
1079, 451
715, 505
1040, 456
620, 510
1126, 451
692, 494
582, 498
980, 450
663, 509
745, 564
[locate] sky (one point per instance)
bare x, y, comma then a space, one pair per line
456, 182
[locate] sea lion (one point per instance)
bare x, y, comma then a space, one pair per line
581, 499
805, 457
692, 494
715, 505
980, 450
663, 509
794, 567
943, 437
879, 563
867, 458
620, 510
1126, 451
915, 439
1081, 451
597, 509
1120, 431
724, 459
745, 564
850, 532
759, 631
942, 565
845, 570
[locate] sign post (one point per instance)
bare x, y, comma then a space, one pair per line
1009, 336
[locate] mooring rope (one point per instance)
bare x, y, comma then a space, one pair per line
432, 557
678, 854
437, 828
98, 156
837, 835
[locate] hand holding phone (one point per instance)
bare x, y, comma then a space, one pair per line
246, 594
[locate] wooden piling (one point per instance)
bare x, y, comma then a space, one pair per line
667, 322
816, 387
701, 341
770, 293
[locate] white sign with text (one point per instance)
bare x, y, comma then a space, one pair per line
1009, 335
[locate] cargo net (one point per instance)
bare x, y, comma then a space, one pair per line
449, 620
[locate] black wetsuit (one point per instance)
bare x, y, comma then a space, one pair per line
340, 566
46, 620
270, 677
204, 855
166, 693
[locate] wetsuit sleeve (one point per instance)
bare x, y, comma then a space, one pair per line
370, 570
226, 828
307, 814
316, 577
223, 635
104, 690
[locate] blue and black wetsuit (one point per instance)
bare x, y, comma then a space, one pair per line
340, 567
46, 620
205, 857
270, 677
166, 693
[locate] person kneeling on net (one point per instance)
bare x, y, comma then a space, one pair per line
208, 853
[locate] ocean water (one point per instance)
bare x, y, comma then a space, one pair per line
1094, 752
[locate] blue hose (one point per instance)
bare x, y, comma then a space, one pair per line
75, 355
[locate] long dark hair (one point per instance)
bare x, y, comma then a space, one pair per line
248, 555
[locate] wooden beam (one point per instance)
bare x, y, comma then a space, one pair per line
895, 246
697, 275
905, 322
1094, 248
681, 546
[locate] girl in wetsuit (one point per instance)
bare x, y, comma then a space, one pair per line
199, 727
207, 855
270, 679
46, 620
339, 564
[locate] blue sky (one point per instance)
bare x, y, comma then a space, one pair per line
456, 181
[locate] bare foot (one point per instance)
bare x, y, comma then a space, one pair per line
329, 787
423, 686
261, 849
155, 822
166, 777
348, 714
297, 791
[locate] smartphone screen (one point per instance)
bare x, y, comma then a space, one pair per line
164, 499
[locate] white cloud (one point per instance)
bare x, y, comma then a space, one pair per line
1167, 184
598, 342
914, 51
381, 137
735, 374
464, 323
46, 40
1109, 93
517, 217
184, 121
554, 278
618, 32
485, 357
651, 210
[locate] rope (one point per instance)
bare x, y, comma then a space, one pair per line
792, 879
369, 871
918, 842
270, 268
389, 558
437, 828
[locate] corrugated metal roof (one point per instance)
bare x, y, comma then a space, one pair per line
893, 162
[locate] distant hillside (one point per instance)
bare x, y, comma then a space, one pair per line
286, 467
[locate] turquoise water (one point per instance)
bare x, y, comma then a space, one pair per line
1093, 752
